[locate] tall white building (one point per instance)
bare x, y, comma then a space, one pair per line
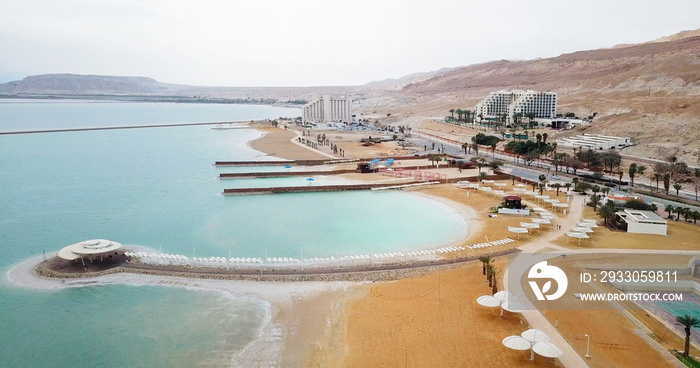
326, 109
494, 105
541, 104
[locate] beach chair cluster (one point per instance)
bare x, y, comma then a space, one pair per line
283, 260
450, 249
178, 259
224, 260
426, 252
491, 244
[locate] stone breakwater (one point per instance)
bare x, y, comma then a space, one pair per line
357, 275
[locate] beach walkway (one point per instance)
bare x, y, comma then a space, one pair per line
570, 358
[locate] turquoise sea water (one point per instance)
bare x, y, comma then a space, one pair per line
157, 187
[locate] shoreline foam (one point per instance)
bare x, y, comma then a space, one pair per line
269, 344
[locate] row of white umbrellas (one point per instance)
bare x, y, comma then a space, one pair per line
537, 341
534, 340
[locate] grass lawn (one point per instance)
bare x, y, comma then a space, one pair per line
690, 362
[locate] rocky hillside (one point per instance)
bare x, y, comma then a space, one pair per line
71, 84
649, 91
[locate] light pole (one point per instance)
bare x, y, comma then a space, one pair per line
588, 346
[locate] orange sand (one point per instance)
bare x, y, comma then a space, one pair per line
433, 321
276, 141
681, 235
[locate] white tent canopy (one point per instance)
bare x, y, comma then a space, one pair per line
587, 224
517, 230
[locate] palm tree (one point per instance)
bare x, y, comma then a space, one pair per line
452, 111
669, 209
567, 186
490, 273
686, 213
494, 285
687, 322
672, 160
695, 215
667, 182
557, 186
607, 211
493, 149
482, 175
459, 114
466, 146
485, 261
631, 171
543, 180
657, 176
594, 201
677, 187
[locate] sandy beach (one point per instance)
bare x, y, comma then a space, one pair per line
277, 142
422, 318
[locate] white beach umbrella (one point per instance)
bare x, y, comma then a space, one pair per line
502, 295
583, 229
517, 343
534, 335
511, 304
547, 349
488, 301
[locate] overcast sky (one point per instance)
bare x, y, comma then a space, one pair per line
315, 42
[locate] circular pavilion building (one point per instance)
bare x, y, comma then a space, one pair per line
95, 249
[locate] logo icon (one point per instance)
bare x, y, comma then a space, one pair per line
542, 270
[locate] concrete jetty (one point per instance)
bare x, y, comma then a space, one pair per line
310, 188
309, 162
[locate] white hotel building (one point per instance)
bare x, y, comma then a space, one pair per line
542, 104
326, 109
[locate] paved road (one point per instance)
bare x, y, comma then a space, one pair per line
533, 172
